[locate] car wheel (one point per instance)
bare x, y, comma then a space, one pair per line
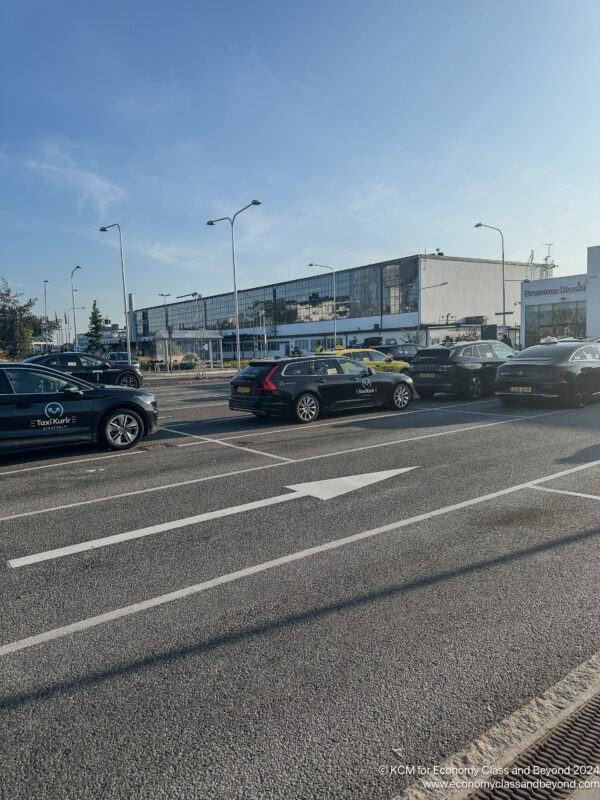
509, 401
306, 408
401, 396
426, 394
475, 388
580, 395
129, 380
121, 429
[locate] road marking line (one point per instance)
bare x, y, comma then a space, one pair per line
195, 406
68, 463
135, 608
193, 481
563, 491
206, 439
322, 490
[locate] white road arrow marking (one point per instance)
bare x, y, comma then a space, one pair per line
323, 490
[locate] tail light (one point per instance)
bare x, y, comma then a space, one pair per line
267, 384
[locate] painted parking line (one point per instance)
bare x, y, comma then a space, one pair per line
69, 463
206, 439
221, 580
564, 491
194, 481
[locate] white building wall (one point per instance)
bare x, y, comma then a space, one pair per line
474, 289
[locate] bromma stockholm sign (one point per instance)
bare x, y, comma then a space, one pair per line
580, 286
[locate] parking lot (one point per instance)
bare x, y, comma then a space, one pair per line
215, 614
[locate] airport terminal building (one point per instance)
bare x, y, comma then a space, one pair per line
416, 298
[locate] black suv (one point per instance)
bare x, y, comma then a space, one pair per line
90, 368
467, 369
304, 386
41, 407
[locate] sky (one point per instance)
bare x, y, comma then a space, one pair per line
368, 131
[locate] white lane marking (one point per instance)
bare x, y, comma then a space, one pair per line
342, 421
193, 481
322, 490
206, 439
136, 608
563, 491
197, 405
69, 463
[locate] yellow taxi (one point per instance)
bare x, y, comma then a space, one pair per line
372, 358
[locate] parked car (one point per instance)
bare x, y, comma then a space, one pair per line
467, 369
565, 371
399, 352
90, 368
119, 359
303, 387
42, 407
373, 358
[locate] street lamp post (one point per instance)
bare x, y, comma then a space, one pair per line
231, 220
422, 289
491, 227
197, 297
73, 304
167, 348
324, 266
104, 228
45, 317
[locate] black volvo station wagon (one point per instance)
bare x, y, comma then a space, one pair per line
90, 368
303, 387
41, 407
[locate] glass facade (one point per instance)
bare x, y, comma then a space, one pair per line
373, 290
554, 319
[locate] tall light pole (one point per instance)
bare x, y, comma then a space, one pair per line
104, 228
324, 266
167, 348
45, 318
73, 304
231, 220
197, 297
491, 227
422, 289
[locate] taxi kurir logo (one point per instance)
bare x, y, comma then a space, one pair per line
366, 382
54, 410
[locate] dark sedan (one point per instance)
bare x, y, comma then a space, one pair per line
467, 369
565, 371
303, 387
90, 368
399, 352
41, 407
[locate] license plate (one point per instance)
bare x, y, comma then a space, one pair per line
428, 374
520, 388
243, 389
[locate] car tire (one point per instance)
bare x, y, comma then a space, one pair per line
306, 408
580, 395
509, 401
426, 394
474, 388
401, 396
129, 380
121, 429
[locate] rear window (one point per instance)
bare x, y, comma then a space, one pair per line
5, 387
254, 372
541, 352
435, 354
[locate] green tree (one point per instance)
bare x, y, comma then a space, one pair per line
94, 333
18, 325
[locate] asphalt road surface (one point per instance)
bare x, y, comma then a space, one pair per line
249, 640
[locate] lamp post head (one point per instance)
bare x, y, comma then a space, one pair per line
445, 283
479, 225
312, 265
104, 228
210, 222
256, 203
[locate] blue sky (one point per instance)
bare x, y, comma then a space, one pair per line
368, 131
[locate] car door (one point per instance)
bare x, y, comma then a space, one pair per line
46, 414
360, 387
590, 366
487, 362
8, 437
99, 371
331, 383
381, 362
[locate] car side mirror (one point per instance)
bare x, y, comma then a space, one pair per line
370, 371
72, 390
389, 358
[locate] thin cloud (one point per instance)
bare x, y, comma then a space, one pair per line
59, 168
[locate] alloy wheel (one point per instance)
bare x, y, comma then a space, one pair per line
402, 396
122, 430
307, 408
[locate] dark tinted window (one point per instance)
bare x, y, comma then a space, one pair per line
435, 354
5, 387
254, 372
469, 352
30, 381
68, 360
51, 361
543, 352
90, 361
325, 366
299, 368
